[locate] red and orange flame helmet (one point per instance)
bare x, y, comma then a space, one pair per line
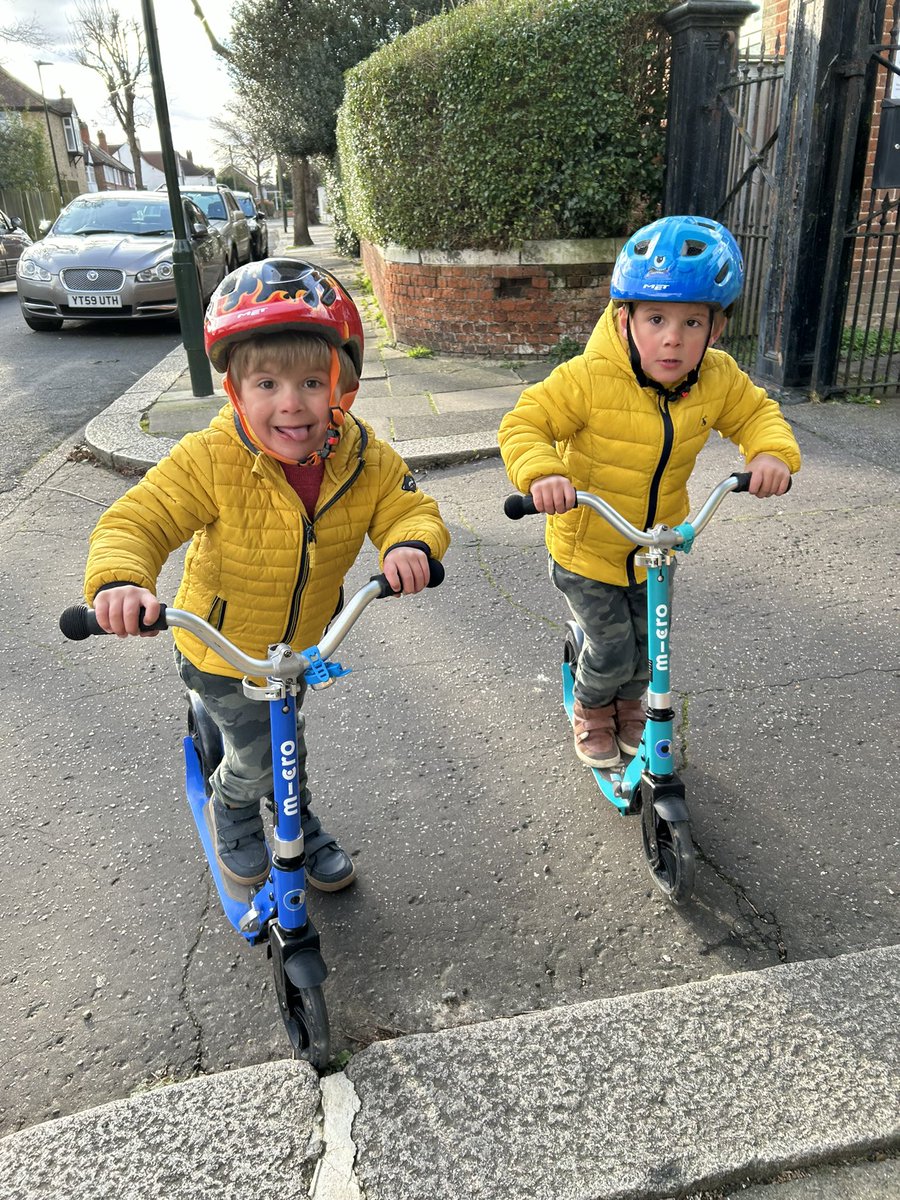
281, 294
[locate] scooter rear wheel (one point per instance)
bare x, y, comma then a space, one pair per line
673, 867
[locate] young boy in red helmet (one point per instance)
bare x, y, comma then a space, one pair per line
626, 420
276, 497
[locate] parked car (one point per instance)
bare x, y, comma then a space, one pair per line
109, 254
13, 240
256, 218
223, 211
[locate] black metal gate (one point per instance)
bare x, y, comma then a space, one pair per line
853, 345
752, 101
869, 357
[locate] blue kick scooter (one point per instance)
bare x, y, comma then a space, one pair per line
275, 912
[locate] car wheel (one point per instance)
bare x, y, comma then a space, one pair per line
43, 324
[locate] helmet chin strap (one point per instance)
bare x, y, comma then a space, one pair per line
332, 433
644, 380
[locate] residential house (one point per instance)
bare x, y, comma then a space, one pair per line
105, 172
58, 122
152, 172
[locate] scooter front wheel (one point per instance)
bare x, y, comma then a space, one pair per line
673, 863
305, 1018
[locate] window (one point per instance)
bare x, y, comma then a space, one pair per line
72, 141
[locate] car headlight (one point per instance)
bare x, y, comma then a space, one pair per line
29, 269
163, 270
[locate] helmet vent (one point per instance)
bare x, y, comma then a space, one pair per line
723, 273
641, 248
692, 249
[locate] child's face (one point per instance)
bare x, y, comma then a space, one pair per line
670, 337
288, 408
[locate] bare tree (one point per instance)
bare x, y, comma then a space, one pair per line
112, 45
25, 33
244, 141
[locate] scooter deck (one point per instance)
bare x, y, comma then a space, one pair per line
236, 899
606, 779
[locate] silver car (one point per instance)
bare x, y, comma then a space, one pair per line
223, 212
109, 254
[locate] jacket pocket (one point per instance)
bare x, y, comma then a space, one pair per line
216, 614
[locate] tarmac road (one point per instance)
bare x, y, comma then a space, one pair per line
52, 383
493, 878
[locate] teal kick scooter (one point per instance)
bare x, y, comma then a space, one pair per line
648, 785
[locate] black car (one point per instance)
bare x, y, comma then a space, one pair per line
13, 240
256, 219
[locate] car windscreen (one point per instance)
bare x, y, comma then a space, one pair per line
211, 203
247, 205
114, 215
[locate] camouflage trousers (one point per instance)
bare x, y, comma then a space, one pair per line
244, 776
615, 661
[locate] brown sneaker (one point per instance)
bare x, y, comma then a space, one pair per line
630, 722
595, 735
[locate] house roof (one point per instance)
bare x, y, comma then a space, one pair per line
100, 157
155, 159
21, 98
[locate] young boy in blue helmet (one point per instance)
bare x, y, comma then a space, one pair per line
626, 420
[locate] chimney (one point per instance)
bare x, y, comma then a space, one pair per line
85, 136
190, 156
101, 141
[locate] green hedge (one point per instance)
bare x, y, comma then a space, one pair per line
507, 120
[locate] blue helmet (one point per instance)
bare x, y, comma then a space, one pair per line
687, 259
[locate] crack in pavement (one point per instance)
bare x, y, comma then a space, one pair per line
486, 571
766, 925
198, 1066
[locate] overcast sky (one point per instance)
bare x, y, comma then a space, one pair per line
196, 82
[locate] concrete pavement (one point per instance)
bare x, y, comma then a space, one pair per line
751, 1077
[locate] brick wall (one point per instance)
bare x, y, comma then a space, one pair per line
494, 305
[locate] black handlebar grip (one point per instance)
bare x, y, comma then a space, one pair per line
79, 622
436, 578
516, 507
743, 478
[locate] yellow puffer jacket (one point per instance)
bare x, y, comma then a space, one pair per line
257, 567
591, 422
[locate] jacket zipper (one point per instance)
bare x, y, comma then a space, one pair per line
653, 500
309, 535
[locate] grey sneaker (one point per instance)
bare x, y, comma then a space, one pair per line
328, 867
241, 848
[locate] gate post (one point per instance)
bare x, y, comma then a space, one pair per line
825, 121
698, 133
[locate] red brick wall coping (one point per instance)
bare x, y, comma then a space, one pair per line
494, 304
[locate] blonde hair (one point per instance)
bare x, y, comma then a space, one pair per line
286, 351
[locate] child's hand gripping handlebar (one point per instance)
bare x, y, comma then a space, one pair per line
661, 536
79, 622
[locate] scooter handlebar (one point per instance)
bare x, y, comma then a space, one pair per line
436, 578
79, 622
516, 507
743, 481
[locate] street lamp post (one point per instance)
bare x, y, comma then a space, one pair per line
40, 63
187, 287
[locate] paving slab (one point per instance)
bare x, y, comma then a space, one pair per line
642, 1096
187, 1141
